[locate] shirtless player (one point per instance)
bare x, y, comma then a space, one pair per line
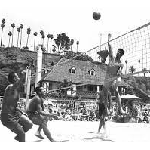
11, 116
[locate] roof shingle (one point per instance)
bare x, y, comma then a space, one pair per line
61, 72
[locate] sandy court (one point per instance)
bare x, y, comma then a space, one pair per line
84, 131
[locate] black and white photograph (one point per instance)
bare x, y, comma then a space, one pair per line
75, 71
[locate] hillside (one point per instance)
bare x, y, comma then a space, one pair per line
15, 59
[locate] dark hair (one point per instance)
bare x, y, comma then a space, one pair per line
38, 89
11, 77
119, 54
103, 54
121, 51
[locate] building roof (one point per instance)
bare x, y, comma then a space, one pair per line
82, 68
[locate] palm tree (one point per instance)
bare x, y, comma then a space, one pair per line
42, 37
71, 43
2, 26
139, 65
139, 62
9, 34
35, 34
13, 26
77, 45
54, 48
49, 36
28, 32
132, 69
21, 27
126, 66
18, 30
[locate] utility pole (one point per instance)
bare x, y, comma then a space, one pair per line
100, 41
38, 74
27, 86
39, 65
99, 45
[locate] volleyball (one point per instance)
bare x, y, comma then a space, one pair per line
96, 15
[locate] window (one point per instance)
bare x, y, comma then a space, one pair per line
72, 70
91, 72
90, 88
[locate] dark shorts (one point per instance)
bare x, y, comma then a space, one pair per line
15, 123
102, 110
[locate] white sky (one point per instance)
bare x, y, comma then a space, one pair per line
74, 17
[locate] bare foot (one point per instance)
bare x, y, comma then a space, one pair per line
39, 136
104, 136
98, 132
16, 138
53, 141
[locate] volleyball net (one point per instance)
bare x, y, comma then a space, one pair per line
136, 44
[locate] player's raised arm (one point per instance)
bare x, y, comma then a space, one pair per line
19, 80
111, 58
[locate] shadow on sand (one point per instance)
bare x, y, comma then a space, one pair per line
63, 141
55, 141
98, 137
38, 140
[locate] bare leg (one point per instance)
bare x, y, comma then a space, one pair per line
38, 133
47, 132
39, 129
42, 122
101, 124
25, 123
20, 132
104, 126
118, 98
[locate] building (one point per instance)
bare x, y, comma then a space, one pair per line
86, 77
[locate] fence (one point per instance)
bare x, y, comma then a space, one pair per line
136, 44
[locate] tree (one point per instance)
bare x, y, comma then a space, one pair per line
9, 34
35, 35
62, 41
18, 30
13, 26
42, 37
28, 33
132, 69
53, 48
71, 43
126, 66
49, 36
43, 50
83, 57
21, 27
77, 45
2, 26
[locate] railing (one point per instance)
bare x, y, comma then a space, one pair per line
88, 95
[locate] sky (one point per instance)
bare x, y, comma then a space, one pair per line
74, 17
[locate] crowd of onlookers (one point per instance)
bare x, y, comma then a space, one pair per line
68, 112
82, 112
